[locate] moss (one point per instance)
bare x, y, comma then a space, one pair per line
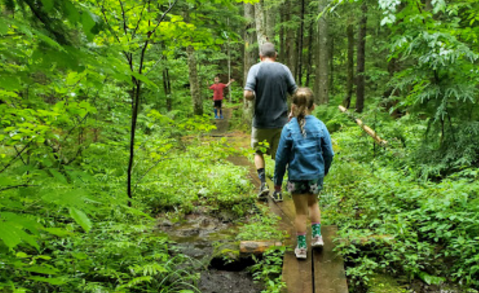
384, 284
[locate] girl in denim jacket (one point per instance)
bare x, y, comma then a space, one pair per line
305, 147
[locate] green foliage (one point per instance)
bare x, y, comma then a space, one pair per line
268, 270
414, 228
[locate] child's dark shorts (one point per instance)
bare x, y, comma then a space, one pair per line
218, 103
305, 186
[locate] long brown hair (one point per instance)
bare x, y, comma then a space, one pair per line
303, 99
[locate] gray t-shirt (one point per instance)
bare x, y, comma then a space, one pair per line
271, 81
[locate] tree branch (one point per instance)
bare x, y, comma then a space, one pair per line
138, 22
16, 157
125, 27
16, 186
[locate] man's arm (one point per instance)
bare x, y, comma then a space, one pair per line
248, 95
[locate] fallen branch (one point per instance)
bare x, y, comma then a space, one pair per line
368, 130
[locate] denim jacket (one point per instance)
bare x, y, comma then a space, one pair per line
308, 158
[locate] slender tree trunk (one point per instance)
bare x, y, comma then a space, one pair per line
135, 104
194, 85
167, 89
282, 51
260, 23
360, 87
289, 58
300, 46
310, 53
229, 63
322, 94
270, 21
350, 65
250, 57
331, 66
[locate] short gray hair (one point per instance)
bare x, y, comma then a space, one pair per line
267, 50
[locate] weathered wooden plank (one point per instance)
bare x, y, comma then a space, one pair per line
328, 266
297, 274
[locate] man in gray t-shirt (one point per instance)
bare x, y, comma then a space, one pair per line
268, 83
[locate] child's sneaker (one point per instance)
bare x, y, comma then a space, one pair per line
277, 196
300, 252
263, 190
221, 117
317, 241
216, 117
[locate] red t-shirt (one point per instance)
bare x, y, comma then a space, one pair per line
218, 91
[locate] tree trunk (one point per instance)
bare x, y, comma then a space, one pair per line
135, 104
350, 65
310, 52
250, 57
360, 87
282, 51
289, 58
322, 70
299, 49
167, 89
270, 22
260, 23
194, 85
331, 66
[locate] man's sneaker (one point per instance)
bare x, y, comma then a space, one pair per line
263, 190
301, 252
317, 241
277, 196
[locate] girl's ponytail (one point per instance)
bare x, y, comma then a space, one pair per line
303, 100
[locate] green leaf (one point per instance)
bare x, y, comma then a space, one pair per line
81, 219
53, 281
3, 27
58, 232
42, 269
88, 22
59, 176
48, 5
143, 78
8, 235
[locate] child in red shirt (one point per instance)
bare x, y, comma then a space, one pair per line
218, 87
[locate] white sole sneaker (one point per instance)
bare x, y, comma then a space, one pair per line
300, 253
317, 242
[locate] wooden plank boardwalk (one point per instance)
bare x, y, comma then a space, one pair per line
322, 271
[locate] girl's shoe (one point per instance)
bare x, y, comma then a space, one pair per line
301, 252
317, 241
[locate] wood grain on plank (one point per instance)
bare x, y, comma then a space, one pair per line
328, 266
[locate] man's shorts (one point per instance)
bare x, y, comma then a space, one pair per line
271, 136
218, 103
305, 186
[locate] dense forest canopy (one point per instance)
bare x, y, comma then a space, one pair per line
104, 104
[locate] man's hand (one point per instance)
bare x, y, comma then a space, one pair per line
249, 95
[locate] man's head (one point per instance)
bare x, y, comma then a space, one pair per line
217, 79
267, 51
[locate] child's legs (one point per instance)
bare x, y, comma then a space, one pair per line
301, 206
314, 211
